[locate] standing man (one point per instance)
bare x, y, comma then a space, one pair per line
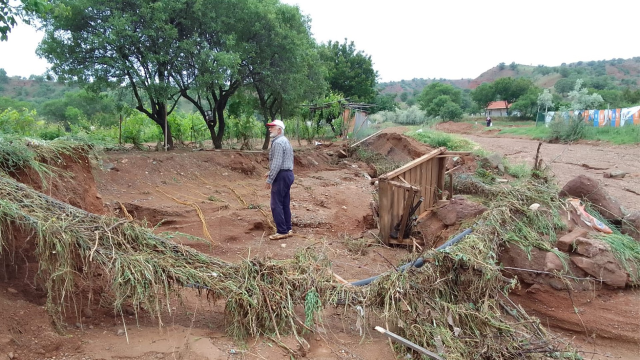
280, 179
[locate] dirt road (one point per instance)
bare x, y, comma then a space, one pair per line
569, 161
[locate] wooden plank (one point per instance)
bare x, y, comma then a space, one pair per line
403, 186
365, 139
435, 166
441, 170
420, 182
457, 153
413, 163
428, 194
384, 197
450, 185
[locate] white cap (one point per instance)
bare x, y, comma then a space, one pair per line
277, 123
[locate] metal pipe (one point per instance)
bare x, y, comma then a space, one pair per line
420, 261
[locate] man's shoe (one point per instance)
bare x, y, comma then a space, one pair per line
278, 236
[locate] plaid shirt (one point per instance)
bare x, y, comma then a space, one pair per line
280, 157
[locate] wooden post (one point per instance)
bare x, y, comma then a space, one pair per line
450, 186
441, 170
120, 133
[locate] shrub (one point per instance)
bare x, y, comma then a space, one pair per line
567, 130
439, 139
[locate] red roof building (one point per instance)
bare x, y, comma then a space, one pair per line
498, 108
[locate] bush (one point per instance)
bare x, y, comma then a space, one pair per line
567, 130
439, 139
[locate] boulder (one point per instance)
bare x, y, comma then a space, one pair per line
459, 209
589, 188
590, 247
565, 243
631, 225
494, 160
553, 263
603, 267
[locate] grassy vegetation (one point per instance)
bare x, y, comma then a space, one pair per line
439, 139
614, 135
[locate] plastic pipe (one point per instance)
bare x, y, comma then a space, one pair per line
419, 262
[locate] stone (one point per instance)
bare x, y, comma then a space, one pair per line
603, 267
501, 168
494, 160
590, 247
565, 243
589, 188
459, 209
86, 312
120, 332
631, 225
553, 263
12, 290
11, 355
616, 174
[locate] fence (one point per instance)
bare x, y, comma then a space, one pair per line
400, 189
600, 118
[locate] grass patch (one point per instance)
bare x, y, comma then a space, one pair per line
518, 171
614, 135
438, 139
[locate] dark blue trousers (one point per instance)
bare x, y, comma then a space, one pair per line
280, 198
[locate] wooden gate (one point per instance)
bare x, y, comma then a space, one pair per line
400, 189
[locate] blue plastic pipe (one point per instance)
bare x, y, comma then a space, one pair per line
419, 262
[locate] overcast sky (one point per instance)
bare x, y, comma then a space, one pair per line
441, 39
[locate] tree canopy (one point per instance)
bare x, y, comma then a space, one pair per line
349, 72
435, 90
202, 51
9, 14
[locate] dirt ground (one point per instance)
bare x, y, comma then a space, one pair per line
331, 206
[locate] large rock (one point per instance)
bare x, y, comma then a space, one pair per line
459, 209
553, 263
565, 243
590, 189
535, 263
631, 225
603, 267
590, 247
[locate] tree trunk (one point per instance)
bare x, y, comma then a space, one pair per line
217, 139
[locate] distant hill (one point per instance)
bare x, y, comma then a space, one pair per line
36, 90
603, 74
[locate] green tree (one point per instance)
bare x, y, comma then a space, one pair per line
349, 72
438, 104
545, 100
404, 96
582, 100
483, 95
510, 89
103, 43
435, 90
527, 104
6, 103
563, 86
451, 111
23, 10
3, 76
384, 102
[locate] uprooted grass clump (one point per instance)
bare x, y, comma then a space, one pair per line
21, 154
